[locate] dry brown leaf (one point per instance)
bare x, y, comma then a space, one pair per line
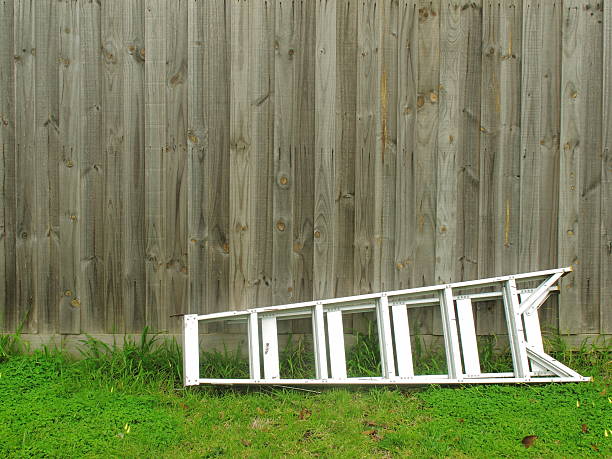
370, 424
461, 420
529, 440
305, 413
373, 434
246, 443
584, 428
260, 411
594, 446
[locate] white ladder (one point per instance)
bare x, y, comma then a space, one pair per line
530, 362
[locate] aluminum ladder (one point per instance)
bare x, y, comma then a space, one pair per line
530, 363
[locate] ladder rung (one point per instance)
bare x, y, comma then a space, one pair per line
269, 339
403, 348
335, 333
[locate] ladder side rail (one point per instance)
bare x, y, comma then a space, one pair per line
320, 348
385, 338
516, 335
191, 350
545, 360
253, 339
540, 294
533, 334
451, 337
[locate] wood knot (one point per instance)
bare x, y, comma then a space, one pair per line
317, 234
280, 225
68, 293
76, 302
283, 180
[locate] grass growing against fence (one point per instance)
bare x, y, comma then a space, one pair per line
127, 401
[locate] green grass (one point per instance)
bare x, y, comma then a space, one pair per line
127, 401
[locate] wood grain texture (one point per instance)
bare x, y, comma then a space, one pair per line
155, 149
133, 230
368, 169
325, 142
25, 161
499, 148
174, 167
197, 135
407, 80
8, 311
70, 168
286, 39
580, 176
386, 144
93, 172
113, 136
303, 166
540, 125
251, 133
170, 156
47, 160
425, 155
606, 176
345, 146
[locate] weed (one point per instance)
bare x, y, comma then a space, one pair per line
297, 360
226, 364
363, 359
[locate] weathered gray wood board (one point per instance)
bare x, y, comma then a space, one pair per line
168, 156
580, 165
8, 307
606, 178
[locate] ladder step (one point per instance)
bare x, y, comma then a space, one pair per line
469, 346
269, 339
335, 333
403, 348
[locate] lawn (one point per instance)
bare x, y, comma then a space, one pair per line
126, 402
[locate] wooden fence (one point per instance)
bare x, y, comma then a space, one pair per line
170, 156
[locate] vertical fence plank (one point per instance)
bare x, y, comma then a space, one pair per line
468, 165
91, 212
286, 39
47, 183
367, 210
7, 168
606, 177
325, 110
218, 158
580, 185
407, 80
133, 232
113, 54
540, 109
500, 142
25, 151
386, 144
345, 145
155, 141
425, 154
174, 166
251, 153
456, 214
303, 167
70, 168
198, 199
